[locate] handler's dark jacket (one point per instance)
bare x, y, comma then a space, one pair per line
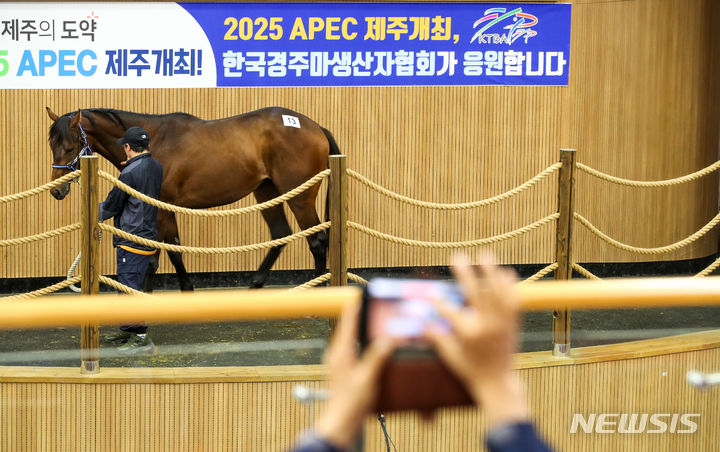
144, 174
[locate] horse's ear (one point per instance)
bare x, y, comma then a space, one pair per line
52, 114
76, 119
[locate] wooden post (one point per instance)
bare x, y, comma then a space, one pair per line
89, 336
563, 248
338, 218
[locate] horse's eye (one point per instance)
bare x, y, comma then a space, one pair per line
67, 151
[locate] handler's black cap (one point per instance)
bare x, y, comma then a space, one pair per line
135, 136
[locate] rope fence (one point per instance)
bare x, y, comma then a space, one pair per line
646, 184
37, 190
121, 287
585, 272
356, 278
42, 236
456, 206
312, 283
318, 178
649, 250
703, 273
453, 245
215, 213
656, 250
709, 269
43, 291
543, 272
563, 217
387, 237
219, 250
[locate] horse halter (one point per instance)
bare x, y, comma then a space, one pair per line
84, 151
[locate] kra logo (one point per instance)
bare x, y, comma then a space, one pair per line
518, 27
634, 423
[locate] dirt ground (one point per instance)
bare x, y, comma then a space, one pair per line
302, 341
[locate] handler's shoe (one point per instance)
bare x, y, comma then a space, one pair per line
118, 336
137, 345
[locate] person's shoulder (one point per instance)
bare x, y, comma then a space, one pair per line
156, 165
513, 437
314, 443
145, 159
134, 165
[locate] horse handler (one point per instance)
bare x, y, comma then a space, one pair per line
143, 173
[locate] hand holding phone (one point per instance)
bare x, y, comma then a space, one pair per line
485, 333
405, 311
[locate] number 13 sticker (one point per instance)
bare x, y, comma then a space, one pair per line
291, 121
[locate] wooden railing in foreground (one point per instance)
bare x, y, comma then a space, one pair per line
252, 408
328, 302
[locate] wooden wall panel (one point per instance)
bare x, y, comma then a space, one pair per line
642, 103
260, 414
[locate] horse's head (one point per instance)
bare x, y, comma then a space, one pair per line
66, 143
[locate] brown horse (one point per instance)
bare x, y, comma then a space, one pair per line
211, 163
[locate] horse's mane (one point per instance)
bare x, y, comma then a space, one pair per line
60, 129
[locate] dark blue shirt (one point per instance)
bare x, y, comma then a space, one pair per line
144, 174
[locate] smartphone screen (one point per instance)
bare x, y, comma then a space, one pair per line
403, 308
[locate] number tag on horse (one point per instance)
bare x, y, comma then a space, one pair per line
291, 121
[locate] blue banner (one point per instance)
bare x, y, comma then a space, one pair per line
192, 45
386, 44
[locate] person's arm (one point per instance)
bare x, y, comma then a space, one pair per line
115, 201
315, 443
484, 333
515, 437
353, 385
479, 351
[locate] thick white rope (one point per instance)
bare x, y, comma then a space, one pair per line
585, 272
657, 250
550, 268
645, 184
456, 206
452, 245
312, 283
215, 213
37, 190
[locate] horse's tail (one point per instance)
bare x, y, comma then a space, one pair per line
334, 150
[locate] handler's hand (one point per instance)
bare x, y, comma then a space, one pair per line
353, 381
484, 336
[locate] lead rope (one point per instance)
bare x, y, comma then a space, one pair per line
71, 271
86, 150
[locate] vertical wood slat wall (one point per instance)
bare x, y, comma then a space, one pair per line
262, 415
643, 103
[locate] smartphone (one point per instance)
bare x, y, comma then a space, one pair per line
404, 309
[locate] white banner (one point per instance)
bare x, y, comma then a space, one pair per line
102, 45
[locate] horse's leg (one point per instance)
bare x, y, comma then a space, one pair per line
167, 224
303, 207
279, 227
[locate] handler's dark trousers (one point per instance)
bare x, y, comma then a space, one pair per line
131, 268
